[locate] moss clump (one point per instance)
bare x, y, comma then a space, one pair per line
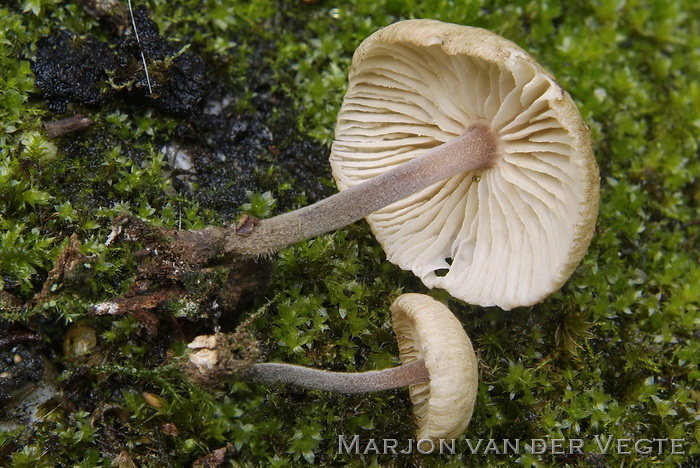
613, 354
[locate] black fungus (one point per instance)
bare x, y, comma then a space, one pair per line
69, 69
176, 80
86, 71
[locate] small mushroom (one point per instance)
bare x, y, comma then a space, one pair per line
438, 365
427, 330
470, 162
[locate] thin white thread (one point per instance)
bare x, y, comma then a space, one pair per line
138, 41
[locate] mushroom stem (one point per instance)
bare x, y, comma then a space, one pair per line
342, 382
475, 149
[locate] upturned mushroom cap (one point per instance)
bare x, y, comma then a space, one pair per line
509, 235
426, 329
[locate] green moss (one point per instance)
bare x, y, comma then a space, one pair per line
614, 353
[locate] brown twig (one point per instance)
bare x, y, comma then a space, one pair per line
59, 128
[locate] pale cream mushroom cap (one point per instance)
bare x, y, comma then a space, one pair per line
507, 236
426, 329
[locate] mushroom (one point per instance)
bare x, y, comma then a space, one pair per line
508, 234
427, 330
470, 162
438, 365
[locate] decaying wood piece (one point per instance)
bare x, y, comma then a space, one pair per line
71, 269
59, 128
185, 272
190, 277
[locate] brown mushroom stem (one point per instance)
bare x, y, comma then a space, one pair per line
475, 149
342, 382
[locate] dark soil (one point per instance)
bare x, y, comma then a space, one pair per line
232, 150
85, 71
20, 363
